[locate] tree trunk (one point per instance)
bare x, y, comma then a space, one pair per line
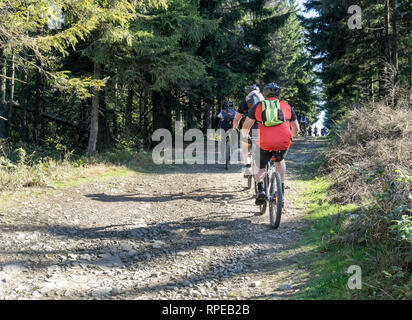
189, 116
395, 53
129, 113
387, 26
3, 100
157, 101
162, 114
409, 76
26, 95
146, 120
13, 73
167, 112
116, 105
94, 121
12, 86
81, 121
39, 104
206, 118
141, 113
104, 136
381, 67
372, 92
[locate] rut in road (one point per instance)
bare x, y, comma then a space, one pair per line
188, 233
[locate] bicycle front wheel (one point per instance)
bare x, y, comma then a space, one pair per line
275, 200
227, 154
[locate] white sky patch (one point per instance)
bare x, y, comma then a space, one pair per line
56, 18
311, 14
301, 7
319, 123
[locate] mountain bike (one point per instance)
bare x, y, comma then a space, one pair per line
274, 194
250, 178
227, 148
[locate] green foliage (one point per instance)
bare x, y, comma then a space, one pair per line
357, 65
161, 61
403, 227
385, 265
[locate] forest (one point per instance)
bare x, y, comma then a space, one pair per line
95, 75
372, 63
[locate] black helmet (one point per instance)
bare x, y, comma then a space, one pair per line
228, 104
271, 90
251, 88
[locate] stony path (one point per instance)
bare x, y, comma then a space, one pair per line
188, 234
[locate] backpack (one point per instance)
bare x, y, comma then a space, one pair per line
254, 97
272, 114
228, 114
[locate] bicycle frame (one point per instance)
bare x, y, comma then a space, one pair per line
270, 169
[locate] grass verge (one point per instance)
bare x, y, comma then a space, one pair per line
328, 260
27, 178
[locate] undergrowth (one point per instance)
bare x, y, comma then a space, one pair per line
24, 167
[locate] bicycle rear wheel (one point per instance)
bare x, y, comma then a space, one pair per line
262, 207
227, 154
275, 200
249, 181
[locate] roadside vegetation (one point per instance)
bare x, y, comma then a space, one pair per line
26, 167
358, 207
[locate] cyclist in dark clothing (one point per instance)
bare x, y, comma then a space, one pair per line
226, 116
253, 97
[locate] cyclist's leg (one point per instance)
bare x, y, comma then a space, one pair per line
264, 157
281, 166
245, 151
260, 175
255, 149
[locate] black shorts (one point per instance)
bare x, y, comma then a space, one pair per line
265, 156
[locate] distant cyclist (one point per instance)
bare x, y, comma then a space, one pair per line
253, 96
226, 117
303, 122
274, 139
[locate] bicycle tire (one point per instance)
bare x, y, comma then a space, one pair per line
275, 200
227, 154
263, 207
249, 181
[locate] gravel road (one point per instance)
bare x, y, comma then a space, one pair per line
190, 232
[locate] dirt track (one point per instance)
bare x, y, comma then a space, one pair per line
187, 233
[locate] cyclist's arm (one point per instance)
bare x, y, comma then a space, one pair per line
237, 119
246, 126
294, 128
294, 124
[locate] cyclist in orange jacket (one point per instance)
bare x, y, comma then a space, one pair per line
273, 141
